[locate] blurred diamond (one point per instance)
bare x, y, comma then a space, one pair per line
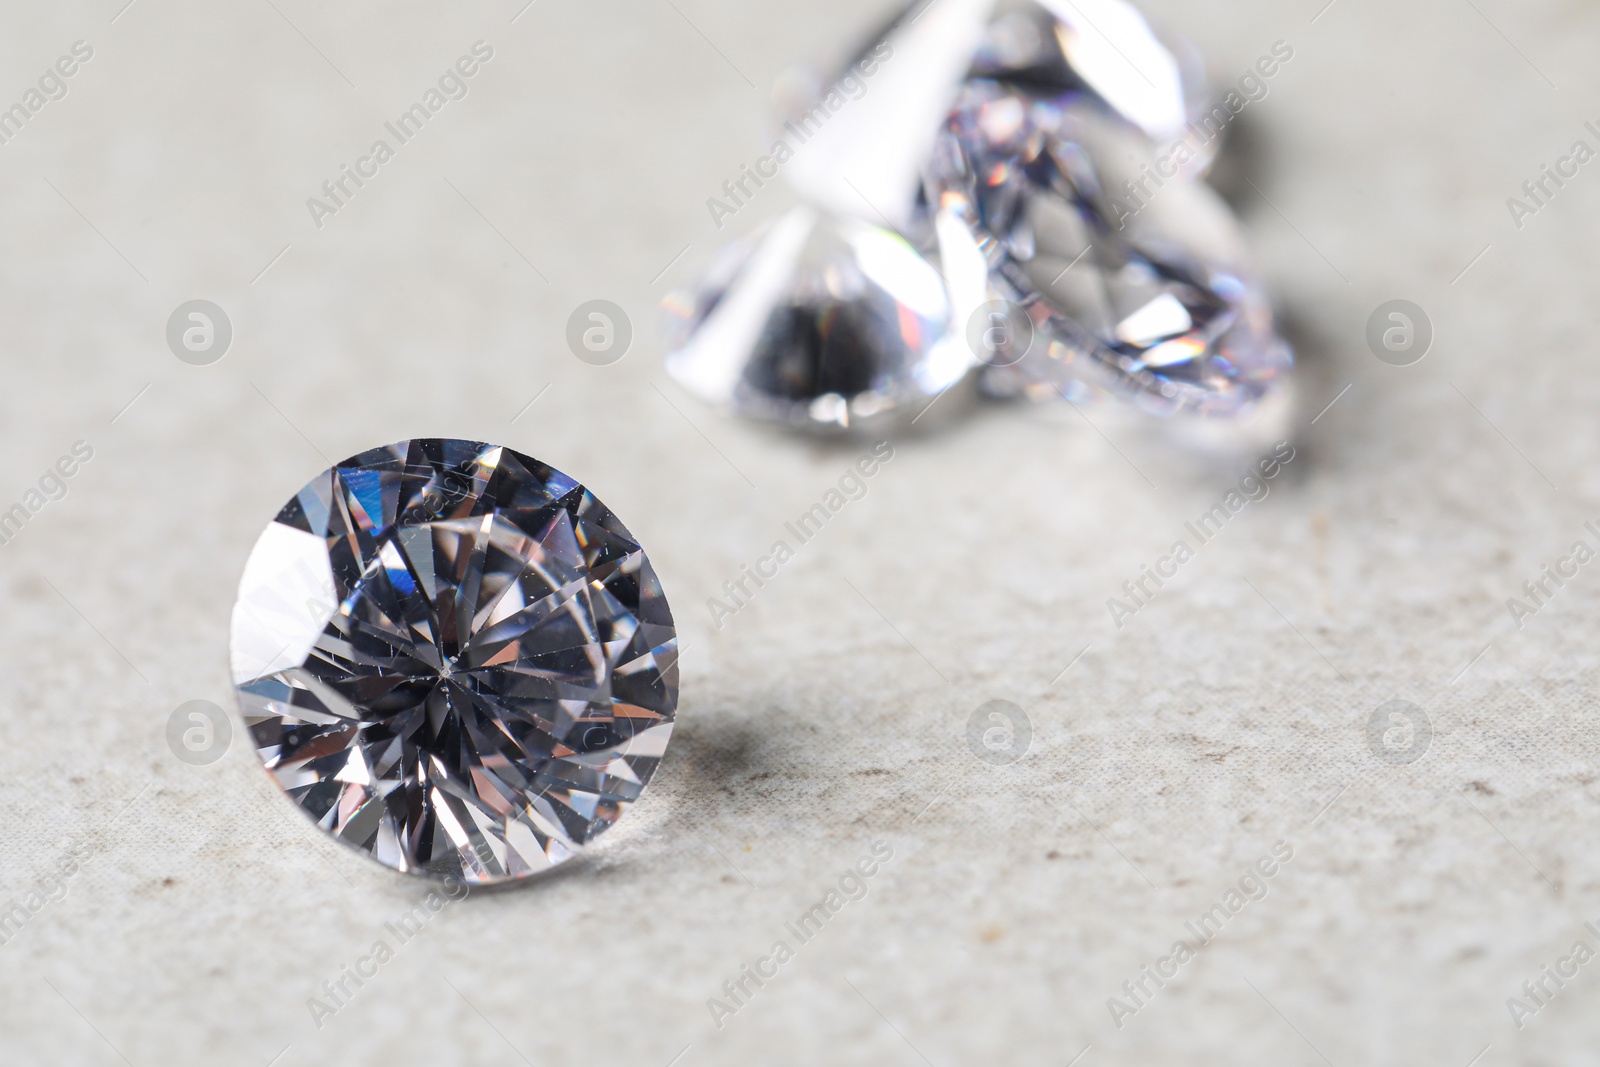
1034, 157
1102, 49
826, 323
1100, 52
1132, 281
454, 658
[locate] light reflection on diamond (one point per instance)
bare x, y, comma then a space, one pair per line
455, 658
1052, 107
825, 323
1149, 308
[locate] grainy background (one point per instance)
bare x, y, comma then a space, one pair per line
1220, 720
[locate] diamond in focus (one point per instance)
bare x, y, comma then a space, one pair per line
454, 658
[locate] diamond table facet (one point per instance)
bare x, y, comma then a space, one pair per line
455, 658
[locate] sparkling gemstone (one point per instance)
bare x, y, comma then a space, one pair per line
1034, 156
1104, 50
1100, 52
1143, 295
826, 323
454, 658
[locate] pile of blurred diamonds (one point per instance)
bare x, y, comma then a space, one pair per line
1000, 197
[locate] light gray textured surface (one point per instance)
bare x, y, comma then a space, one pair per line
1220, 720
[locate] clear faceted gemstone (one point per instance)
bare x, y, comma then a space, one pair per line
1152, 304
823, 323
455, 658
1104, 53
1044, 121
1100, 50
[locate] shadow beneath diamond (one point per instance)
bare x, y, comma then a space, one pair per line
581, 865
712, 754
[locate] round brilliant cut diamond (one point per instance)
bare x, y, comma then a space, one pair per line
455, 658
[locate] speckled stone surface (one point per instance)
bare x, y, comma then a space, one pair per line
1228, 715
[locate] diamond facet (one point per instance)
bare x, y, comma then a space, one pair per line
455, 658
1150, 305
1053, 117
1101, 49
824, 323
